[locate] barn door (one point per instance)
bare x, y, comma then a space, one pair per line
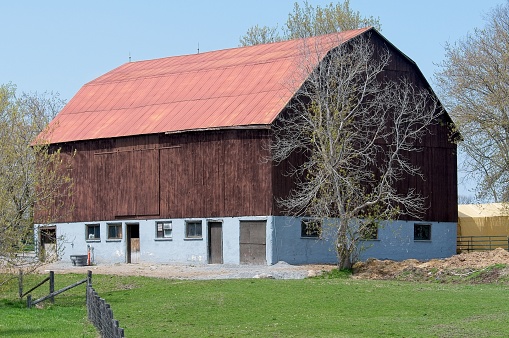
133, 243
215, 242
252, 242
48, 243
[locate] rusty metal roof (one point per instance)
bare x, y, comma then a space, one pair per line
226, 88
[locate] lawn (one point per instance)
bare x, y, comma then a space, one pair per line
150, 307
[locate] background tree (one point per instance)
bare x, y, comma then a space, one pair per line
309, 21
474, 82
30, 173
357, 130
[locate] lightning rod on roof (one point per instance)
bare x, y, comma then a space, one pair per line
129, 56
198, 48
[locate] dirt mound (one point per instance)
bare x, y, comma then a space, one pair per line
477, 266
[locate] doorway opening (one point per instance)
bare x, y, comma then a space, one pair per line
133, 243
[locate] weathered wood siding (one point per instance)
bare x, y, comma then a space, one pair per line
196, 174
437, 158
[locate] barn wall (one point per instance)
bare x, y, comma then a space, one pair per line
283, 238
72, 240
395, 242
437, 159
199, 174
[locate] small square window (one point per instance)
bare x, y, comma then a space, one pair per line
164, 229
193, 229
310, 228
93, 231
115, 231
369, 231
422, 232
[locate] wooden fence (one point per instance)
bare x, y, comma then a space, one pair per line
101, 315
52, 293
99, 312
481, 243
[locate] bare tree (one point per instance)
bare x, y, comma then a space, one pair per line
307, 20
356, 129
474, 82
30, 173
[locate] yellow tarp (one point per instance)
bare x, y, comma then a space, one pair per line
483, 219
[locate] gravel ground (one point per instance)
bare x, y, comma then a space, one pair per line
281, 270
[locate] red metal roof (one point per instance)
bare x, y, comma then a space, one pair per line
225, 88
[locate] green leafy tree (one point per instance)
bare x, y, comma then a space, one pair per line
358, 131
30, 173
474, 82
306, 21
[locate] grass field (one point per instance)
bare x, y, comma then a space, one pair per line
340, 307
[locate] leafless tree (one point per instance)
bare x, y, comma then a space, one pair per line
356, 129
474, 83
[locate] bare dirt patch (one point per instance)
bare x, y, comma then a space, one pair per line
477, 266
281, 270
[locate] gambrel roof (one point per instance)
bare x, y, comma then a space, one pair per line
246, 86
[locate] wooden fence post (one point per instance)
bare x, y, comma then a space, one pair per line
52, 285
20, 283
29, 301
89, 278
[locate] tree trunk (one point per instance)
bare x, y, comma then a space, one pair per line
342, 248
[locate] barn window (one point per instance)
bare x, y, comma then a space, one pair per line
422, 232
310, 228
115, 231
93, 231
193, 229
164, 229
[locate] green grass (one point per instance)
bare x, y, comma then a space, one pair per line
320, 307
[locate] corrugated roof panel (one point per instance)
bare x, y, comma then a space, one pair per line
170, 121
147, 119
231, 87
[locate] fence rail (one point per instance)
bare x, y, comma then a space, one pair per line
99, 312
481, 243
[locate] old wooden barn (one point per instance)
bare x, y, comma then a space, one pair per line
171, 164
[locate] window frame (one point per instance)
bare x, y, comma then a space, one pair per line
115, 225
162, 224
425, 235
192, 224
315, 233
89, 226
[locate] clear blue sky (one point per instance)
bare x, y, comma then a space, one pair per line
61, 45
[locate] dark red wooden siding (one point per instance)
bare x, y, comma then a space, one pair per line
437, 160
200, 174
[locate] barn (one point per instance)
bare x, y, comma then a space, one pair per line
171, 164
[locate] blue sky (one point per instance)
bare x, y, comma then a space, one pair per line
61, 45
